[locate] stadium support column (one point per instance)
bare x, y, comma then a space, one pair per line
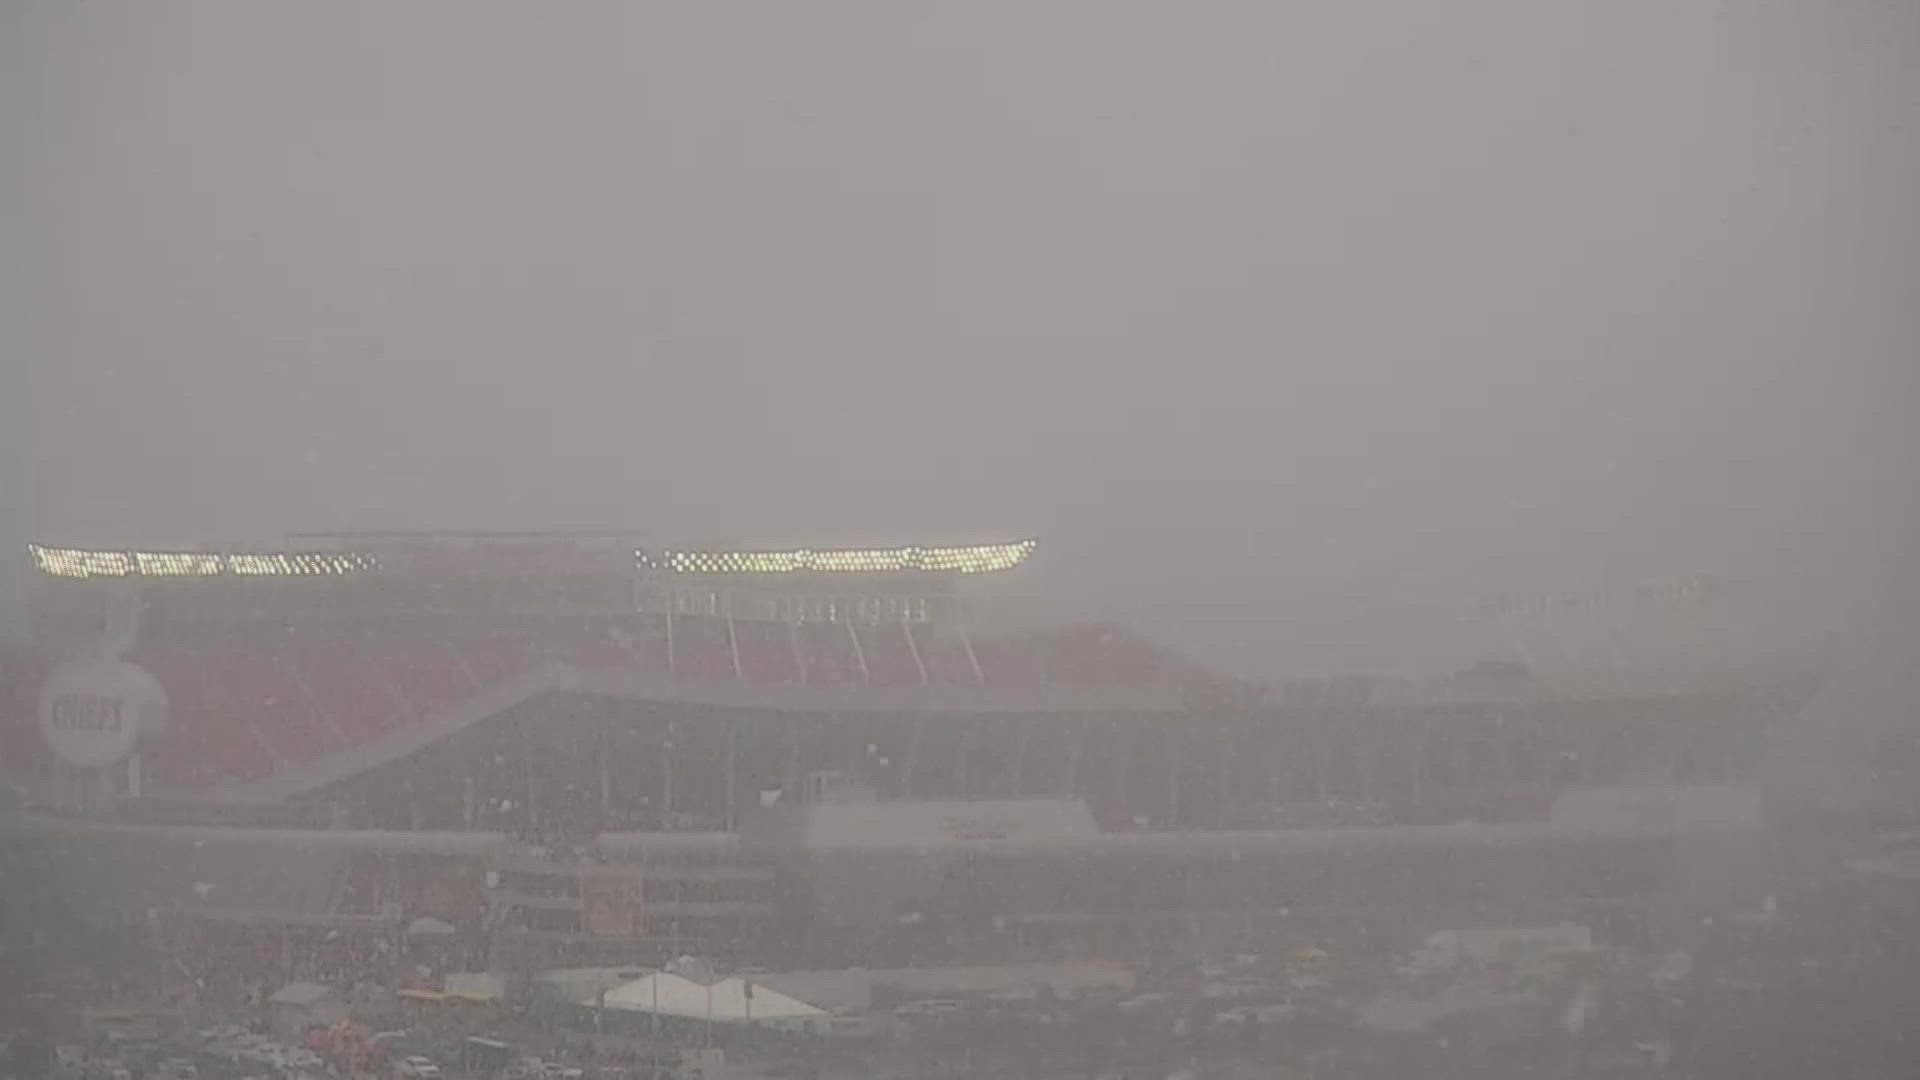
1322, 755
919, 665
856, 750
913, 754
1229, 729
859, 654
1589, 743
1505, 759
792, 780
463, 756
667, 743
17, 414
527, 771
979, 677
1367, 759
733, 787
733, 642
960, 758
1418, 780
608, 737
1668, 742
1175, 760
799, 658
1076, 744
1023, 730
1273, 755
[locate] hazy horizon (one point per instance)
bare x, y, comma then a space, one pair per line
1290, 331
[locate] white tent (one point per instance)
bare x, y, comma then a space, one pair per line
726, 1001
428, 926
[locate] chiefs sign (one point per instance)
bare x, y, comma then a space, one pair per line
92, 712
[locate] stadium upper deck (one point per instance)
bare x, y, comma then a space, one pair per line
269, 661
382, 671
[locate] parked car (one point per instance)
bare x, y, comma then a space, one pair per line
220, 1033
1253, 1015
847, 1024
929, 1007
1235, 989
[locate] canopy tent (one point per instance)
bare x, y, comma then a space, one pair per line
428, 926
731, 1000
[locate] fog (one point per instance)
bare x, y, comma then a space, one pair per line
1292, 331
1309, 339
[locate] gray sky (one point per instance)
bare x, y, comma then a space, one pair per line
1291, 328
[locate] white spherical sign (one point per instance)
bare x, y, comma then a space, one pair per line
93, 711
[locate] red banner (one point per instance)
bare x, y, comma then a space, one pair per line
612, 901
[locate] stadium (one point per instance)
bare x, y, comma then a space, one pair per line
578, 749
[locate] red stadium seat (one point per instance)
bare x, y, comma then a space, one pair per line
22, 748
767, 653
946, 660
430, 677
602, 655
889, 655
497, 658
246, 683
205, 743
284, 699
1010, 663
627, 646
648, 644
701, 652
827, 655
1105, 656
346, 689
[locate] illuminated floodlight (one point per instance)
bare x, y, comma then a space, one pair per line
79, 563
969, 559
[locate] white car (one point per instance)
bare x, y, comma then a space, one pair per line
930, 1007
416, 1067
1234, 989
220, 1033
305, 1059
1254, 1015
248, 1047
